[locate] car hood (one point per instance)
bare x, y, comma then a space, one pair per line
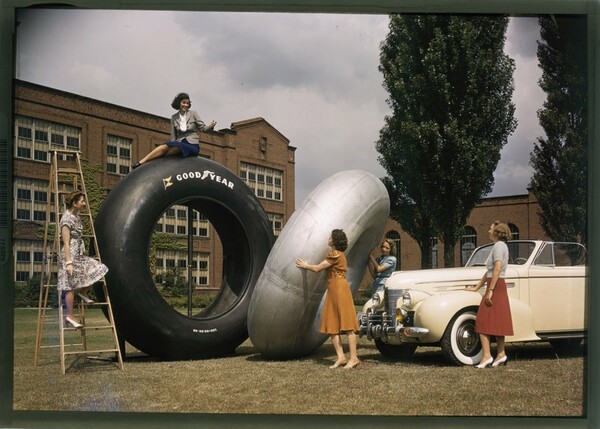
440, 279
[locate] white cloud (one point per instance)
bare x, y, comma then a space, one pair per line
313, 76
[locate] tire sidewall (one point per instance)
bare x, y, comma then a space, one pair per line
450, 344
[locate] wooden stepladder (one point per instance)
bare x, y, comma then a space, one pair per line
66, 175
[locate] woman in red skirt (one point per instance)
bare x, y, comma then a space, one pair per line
493, 316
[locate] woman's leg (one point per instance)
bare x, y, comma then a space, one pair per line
485, 345
352, 345
339, 351
159, 151
69, 303
501, 352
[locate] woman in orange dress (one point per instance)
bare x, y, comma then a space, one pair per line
494, 316
339, 315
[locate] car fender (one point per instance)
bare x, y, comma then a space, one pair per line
437, 311
435, 314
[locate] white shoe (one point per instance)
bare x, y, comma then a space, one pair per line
501, 361
483, 364
74, 323
85, 299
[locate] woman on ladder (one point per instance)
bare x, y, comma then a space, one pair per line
76, 272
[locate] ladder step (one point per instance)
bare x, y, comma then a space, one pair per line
88, 352
89, 328
64, 171
54, 346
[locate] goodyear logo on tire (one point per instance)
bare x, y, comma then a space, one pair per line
200, 175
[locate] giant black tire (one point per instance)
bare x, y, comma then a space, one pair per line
124, 228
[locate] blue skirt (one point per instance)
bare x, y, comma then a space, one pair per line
185, 148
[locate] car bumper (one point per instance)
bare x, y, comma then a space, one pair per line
382, 326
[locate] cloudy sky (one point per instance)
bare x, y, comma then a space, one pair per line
314, 77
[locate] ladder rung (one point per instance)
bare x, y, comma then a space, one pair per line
88, 352
89, 328
64, 171
53, 346
95, 303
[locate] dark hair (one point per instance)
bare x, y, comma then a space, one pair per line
176, 104
502, 231
339, 239
72, 198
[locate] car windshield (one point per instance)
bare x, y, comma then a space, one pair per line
518, 251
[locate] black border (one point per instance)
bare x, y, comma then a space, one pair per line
25, 419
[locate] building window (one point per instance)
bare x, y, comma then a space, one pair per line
39, 216
394, 236
276, 220
514, 231
41, 136
175, 220
22, 276
23, 256
468, 243
118, 155
24, 133
179, 258
38, 256
264, 181
47, 135
23, 194
31, 199
29, 256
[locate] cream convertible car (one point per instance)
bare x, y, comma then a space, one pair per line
546, 285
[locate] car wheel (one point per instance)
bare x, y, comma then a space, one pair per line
395, 352
460, 342
566, 346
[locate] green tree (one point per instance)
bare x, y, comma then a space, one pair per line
560, 159
175, 283
450, 87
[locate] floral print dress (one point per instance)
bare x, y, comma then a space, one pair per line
86, 270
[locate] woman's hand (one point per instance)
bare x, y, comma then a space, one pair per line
69, 269
488, 297
301, 264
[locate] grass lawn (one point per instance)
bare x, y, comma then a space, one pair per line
536, 382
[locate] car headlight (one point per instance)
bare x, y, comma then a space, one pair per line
376, 300
406, 299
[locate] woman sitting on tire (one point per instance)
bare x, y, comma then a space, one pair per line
185, 126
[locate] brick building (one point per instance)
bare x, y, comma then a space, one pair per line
112, 138
519, 211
